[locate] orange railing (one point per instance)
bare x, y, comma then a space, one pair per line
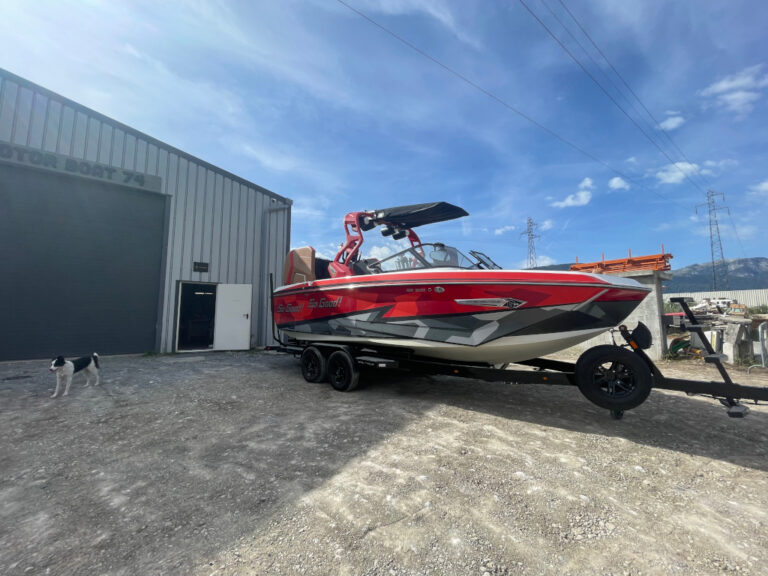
630, 264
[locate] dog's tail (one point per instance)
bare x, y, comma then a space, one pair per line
95, 358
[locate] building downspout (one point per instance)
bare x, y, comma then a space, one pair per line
261, 332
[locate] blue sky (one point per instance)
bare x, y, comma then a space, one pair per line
310, 100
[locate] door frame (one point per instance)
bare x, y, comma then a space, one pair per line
177, 317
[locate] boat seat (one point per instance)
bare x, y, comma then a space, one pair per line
299, 265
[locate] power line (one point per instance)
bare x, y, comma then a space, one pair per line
538, 124
592, 59
499, 100
736, 232
626, 84
608, 94
653, 125
656, 123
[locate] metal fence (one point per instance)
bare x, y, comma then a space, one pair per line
750, 298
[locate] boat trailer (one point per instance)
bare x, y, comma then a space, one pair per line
614, 377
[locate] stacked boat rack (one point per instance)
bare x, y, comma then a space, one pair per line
614, 377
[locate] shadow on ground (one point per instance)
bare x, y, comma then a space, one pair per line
174, 458
697, 426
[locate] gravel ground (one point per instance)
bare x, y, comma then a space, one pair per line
233, 464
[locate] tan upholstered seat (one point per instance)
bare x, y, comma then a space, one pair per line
299, 265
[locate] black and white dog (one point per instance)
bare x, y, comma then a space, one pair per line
65, 369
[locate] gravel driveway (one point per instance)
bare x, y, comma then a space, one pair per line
232, 464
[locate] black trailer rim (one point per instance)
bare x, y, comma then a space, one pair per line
339, 375
614, 379
342, 373
312, 366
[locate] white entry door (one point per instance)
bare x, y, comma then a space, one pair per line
232, 330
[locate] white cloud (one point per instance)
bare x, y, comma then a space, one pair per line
672, 123
581, 198
269, 157
744, 231
618, 183
379, 252
759, 189
541, 260
728, 162
435, 9
740, 102
747, 79
304, 208
546, 225
631, 160
672, 112
676, 173
738, 92
716, 167
503, 229
275, 160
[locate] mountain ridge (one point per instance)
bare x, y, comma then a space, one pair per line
743, 274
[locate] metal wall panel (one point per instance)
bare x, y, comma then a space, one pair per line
751, 298
239, 228
37, 123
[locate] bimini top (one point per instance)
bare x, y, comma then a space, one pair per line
405, 217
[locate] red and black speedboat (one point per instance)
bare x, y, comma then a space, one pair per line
438, 303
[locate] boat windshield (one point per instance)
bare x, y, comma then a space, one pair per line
426, 256
484, 260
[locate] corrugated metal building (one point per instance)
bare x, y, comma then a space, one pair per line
751, 298
112, 241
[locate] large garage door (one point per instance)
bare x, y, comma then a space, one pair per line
80, 265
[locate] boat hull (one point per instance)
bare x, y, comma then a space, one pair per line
472, 316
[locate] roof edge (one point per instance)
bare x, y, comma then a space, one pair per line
129, 130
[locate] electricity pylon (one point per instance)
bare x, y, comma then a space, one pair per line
719, 266
530, 232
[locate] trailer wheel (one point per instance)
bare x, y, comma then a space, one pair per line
342, 372
313, 365
613, 378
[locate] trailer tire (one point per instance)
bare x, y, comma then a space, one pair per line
342, 371
313, 365
613, 378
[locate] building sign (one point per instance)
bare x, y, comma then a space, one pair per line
59, 163
200, 266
